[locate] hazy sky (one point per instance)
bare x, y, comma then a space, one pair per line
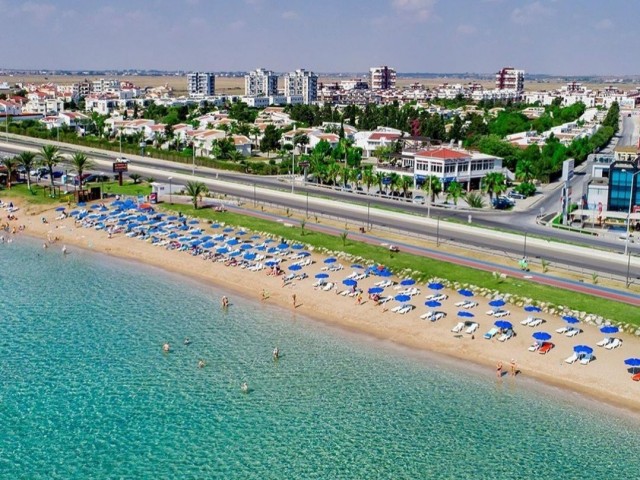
565, 37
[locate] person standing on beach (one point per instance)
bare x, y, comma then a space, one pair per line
225, 302
293, 298
513, 367
499, 370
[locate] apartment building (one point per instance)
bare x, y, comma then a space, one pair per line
382, 78
302, 82
260, 83
510, 79
105, 85
200, 84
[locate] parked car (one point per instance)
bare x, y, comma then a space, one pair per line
40, 171
501, 203
516, 195
419, 199
96, 178
58, 174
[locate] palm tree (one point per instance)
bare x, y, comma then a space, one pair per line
50, 158
81, 163
454, 192
10, 164
379, 179
433, 186
368, 177
195, 190
493, 183
333, 170
406, 182
136, 177
474, 200
28, 161
524, 170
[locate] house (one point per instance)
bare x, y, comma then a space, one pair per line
243, 144
8, 107
368, 141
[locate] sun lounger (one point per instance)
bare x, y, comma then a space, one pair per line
406, 309
562, 330
328, 287
491, 333
636, 377
384, 300
397, 308
527, 321
383, 283
586, 359
571, 358
470, 304
536, 322
460, 304
604, 342
534, 347
437, 297
437, 316
472, 328
572, 332
615, 343
505, 336
502, 313
427, 316
458, 327
545, 348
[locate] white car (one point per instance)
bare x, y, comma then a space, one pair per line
122, 160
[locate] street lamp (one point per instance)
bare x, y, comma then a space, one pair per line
170, 190
626, 242
193, 167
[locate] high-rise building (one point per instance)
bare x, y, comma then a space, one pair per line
302, 83
510, 79
382, 78
260, 83
201, 84
624, 191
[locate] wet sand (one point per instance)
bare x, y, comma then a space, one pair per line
605, 378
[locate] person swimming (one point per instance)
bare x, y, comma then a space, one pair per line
187, 341
225, 302
244, 387
276, 353
166, 347
64, 249
201, 364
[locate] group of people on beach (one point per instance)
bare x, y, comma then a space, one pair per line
513, 370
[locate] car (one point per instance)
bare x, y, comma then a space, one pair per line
122, 160
419, 199
96, 178
58, 174
516, 195
501, 204
40, 171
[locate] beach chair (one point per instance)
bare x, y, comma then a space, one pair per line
460, 304
492, 312
562, 330
406, 309
586, 359
384, 300
604, 342
328, 287
491, 333
534, 347
505, 336
527, 321
397, 308
502, 313
344, 293
615, 343
572, 332
571, 358
472, 328
536, 322
437, 316
545, 348
469, 305
427, 316
458, 327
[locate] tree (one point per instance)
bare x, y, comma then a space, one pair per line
433, 186
474, 200
368, 177
28, 161
524, 170
493, 183
454, 192
10, 164
379, 179
135, 177
343, 237
270, 139
195, 190
406, 182
50, 158
81, 163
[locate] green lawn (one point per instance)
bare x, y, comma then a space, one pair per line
429, 268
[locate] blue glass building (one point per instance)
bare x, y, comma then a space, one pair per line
623, 182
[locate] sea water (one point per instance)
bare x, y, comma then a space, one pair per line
86, 391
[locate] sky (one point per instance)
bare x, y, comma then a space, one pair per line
557, 37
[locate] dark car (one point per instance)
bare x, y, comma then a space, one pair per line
58, 174
501, 203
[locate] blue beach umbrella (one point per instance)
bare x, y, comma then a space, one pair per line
82, 204
330, 260
503, 324
246, 246
173, 235
60, 209
222, 250
403, 298
241, 232
384, 273
232, 242
432, 303
465, 313
195, 243
465, 293
269, 240
322, 275
194, 222
272, 250
282, 246
632, 362
497, 303
249, 256
570, 320
235, 253
583, 349
349, 282
297, 246
261, 248
532, 308
172, 218
255, 237
435, 286
357, 266
374, 290
215, 225
208, 245
271, 263
607, 329
228, 230
206, 238
295, 267
305, 254
407, 281
541, 336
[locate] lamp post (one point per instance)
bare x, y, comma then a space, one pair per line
193, 167
170, 190
524, 254
293, 169
120, 138
626, 242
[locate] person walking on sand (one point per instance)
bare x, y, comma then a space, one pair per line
293, 298
265, 294
359, 299
513, 367
499, 370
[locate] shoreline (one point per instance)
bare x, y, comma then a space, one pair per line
604, 380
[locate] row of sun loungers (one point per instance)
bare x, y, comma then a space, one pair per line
434, 316
582, 357
532, 322
466, 304
402, 309
609, 343
498, 313
569, 331
437, 297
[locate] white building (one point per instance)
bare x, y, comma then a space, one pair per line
8, 107
382, 78
302, 82
201, 84
260, 83
105, 85
510, 79
368, 141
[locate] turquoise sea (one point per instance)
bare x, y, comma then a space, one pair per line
87, 393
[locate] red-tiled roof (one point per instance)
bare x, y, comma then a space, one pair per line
442, 153
381, 135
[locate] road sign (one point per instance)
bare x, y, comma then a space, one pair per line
119, 167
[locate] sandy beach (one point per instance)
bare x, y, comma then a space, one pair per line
605, 378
